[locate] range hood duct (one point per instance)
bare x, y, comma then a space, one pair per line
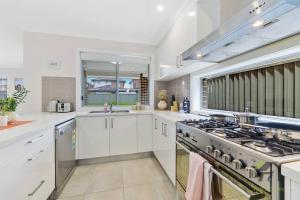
261, 23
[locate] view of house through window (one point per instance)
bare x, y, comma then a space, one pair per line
116, 82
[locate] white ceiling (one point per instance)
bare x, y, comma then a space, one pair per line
136, 21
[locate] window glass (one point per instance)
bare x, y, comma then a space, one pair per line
115, 82
3, 87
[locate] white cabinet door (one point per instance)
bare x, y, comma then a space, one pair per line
181, 36
171, 151
155, 135
93, 137
144, 129
123, 135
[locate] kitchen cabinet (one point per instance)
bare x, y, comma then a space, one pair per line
164, 148
181, 36
92, 137
291, 173
123, 135
32, 174
145, 134
101, 136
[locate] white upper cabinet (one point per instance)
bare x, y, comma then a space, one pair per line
193, 24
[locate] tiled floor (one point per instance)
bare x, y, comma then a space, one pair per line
141, 179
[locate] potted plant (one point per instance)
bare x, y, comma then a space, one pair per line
12, 107
3, 110
13, 102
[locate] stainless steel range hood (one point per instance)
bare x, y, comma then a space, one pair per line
261, 23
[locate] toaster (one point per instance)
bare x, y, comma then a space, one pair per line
63, 107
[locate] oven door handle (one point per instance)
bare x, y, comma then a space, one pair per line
183, 147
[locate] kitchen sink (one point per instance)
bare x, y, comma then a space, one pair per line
113, 111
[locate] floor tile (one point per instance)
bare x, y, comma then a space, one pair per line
81, 197
106, 177
106, 195
145, 192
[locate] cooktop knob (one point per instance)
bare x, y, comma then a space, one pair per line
227, 158
217, 153
237, 164
186, 135
252, 172
210, 149
179, 130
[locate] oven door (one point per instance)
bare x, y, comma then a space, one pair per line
224, 187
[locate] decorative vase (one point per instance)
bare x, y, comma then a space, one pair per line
3, 120
162, 105
12, 116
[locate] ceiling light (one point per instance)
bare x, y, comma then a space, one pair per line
165, 66
160, 8
192, 14
258, 23
199, 55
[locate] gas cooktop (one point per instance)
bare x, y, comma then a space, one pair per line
261, 139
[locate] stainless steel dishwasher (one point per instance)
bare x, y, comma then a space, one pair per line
65, 145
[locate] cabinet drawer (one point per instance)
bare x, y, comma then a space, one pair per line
40, 173
21, 179
25, 146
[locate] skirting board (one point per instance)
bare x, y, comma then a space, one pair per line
114, 158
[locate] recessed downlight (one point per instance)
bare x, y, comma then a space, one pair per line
192, 13
258, 23
160, 8
199, 55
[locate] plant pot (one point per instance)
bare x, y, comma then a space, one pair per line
162, 105
12, 116
3, 120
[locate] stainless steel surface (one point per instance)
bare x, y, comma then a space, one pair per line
254, 153
182, 163
65, 137
275, 20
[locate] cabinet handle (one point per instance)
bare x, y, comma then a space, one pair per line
112, 122
105, 123
180, 60
37, 188
177, 64
165, 131
36, 139
155, 124
162, 128
35, 157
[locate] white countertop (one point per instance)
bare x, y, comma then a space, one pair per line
39, 121
291, 170
46, 120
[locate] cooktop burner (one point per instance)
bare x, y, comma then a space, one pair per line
210, 124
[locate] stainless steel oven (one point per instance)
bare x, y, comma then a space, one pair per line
226, 184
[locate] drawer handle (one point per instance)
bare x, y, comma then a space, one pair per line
36, 139
36, 156
37, 188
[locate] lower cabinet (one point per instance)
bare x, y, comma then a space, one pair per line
92, 137
30, 176
145, 135
123, 135
101, 136
164, 145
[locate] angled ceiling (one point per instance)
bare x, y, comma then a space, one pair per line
136, 21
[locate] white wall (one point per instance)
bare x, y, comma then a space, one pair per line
40, 48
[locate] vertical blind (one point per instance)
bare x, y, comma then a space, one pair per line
272, 90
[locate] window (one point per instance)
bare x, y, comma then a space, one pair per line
115, 82
273, 90
3, 87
